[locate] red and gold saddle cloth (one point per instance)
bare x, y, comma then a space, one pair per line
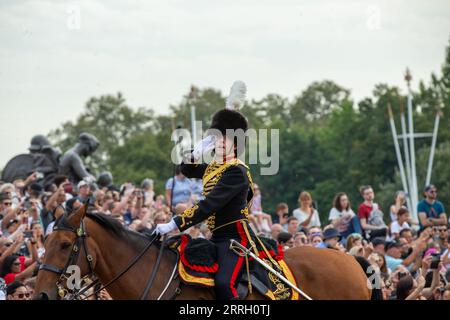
197, 265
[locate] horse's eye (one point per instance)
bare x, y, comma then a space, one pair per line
65, 245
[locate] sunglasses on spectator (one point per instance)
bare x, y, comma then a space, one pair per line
22, 295
7, 204
433, 191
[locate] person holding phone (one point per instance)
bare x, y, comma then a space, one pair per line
393, 254
18, 267
306, 214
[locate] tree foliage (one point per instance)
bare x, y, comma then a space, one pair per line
328, 142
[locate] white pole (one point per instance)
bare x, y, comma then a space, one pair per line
398, 154
193, 125
433, 147
408, 161
192, 99
413, 187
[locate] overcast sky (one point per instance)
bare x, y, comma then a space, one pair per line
54, 55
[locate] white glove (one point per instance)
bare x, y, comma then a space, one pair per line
164, 228
204, 146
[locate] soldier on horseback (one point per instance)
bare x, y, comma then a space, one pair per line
227, 186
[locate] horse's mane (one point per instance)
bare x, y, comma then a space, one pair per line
116, 228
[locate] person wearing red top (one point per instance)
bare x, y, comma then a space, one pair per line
14, 269
370, 215
19, 268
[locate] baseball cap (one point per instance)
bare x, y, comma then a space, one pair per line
82, 183
429, 187
392, 244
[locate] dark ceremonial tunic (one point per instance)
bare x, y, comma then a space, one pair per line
227, 189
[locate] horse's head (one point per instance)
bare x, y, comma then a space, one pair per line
63, 253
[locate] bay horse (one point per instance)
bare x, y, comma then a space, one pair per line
107, 248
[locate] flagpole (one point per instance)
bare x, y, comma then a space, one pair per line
406, 151
413, 186
433, 147
192, 100
398, 154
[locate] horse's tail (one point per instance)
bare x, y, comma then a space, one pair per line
371, 274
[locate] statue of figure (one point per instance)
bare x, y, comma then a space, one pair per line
43, 158
71, 163
46, 157
38, 142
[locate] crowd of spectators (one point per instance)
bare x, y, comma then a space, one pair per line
412, 258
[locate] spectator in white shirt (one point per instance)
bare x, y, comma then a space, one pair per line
306, 214
401, 223
342, 216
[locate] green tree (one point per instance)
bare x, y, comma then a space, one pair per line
328, 143
111, 120
318, 100
145, 155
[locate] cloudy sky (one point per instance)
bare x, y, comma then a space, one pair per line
54, 55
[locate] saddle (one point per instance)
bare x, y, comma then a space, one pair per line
197, 266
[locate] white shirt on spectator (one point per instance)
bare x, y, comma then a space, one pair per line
396, 227
302, 216
343, 224
336, 214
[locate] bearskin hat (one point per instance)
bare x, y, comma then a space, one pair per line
228, 119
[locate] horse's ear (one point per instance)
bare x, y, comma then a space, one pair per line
78, 215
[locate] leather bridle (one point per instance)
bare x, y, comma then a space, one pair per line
80, 241
81, 235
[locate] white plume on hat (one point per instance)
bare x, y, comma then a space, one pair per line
236, 97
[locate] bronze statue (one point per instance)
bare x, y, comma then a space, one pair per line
43, 158
46, 157
72, 164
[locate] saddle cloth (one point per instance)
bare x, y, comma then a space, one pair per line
197, 265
